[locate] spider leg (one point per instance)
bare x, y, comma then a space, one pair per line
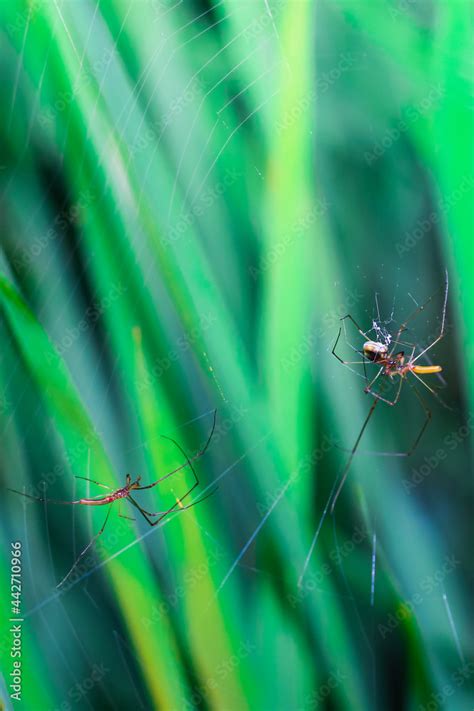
359, 352
104, 486
441, 335
345, 471
362, 333
366, 377
368, 388
433, 392
443, 322
188, 459
414, 346
419, 436
384, 399
82, 554
178, 502
348, 363
139, 508
421, 308
129, 518
425, 423
163, 514
41, 498
188, 506
404, 343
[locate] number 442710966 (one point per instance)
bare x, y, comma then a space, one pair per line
15, 578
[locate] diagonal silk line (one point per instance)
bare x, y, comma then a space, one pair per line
452, 624
184, 424
316, 534
229, 138
66, 29
374, 561
253, 536
18, 72
59, 593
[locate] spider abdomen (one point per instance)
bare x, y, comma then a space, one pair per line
426, 369
374, 350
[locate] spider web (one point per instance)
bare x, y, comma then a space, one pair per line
147, 97
49, 610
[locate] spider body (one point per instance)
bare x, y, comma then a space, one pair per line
124, 492
375, 351
382, 355
394, 364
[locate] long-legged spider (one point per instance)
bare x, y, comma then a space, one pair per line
124, 492
390, 365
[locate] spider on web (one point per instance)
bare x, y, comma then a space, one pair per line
391, 363
125, 493
381, 352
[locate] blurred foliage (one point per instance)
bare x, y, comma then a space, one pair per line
192, 195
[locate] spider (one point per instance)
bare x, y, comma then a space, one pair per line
125, 492
392, 364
